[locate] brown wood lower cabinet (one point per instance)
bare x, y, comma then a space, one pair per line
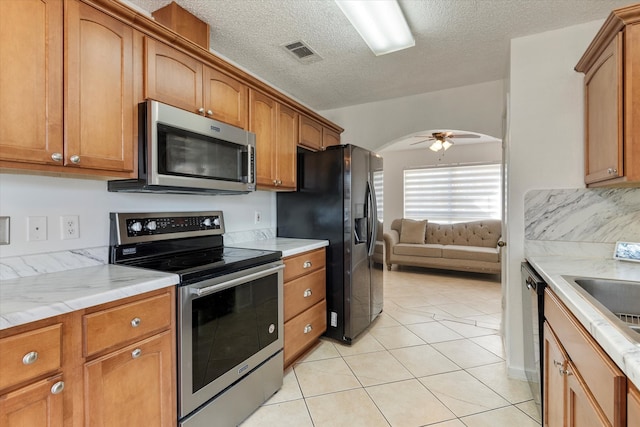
33, 405
305, 304
132, 386
633, 406
583, 386
49, 378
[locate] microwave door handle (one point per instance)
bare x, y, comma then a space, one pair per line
230, 283
251, 160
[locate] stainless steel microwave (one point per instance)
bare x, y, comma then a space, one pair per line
183, 152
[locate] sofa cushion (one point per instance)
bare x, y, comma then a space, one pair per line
471, 253
412, 231
485, 233
423, 250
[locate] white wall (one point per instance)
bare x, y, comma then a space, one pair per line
545, 142
474, 108
395, 162
27, 195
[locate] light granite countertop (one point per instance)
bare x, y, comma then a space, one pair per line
32, 298
622, 350
288, 246
38, 296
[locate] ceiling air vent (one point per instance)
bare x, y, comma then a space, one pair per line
302, 52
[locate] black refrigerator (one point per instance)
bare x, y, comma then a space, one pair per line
337, 201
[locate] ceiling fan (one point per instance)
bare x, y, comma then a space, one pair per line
442, 140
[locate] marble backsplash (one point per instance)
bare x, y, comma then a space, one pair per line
580, 221
32, 265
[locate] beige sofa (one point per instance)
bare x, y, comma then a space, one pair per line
465, 246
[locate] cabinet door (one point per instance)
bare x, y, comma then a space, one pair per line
286, 149
30, 80
582, 409
172, 77
99, 102
329, 138
133, 386
39, 404
225, 97
310, 133
604, 115
555, 361
633, 406
262, 122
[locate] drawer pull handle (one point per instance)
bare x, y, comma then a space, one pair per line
556, 363
30, 358
136, 353
307, 293
308, 328
57, 387
307, 264
135, 322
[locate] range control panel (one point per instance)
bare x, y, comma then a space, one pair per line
165, 225
142, 227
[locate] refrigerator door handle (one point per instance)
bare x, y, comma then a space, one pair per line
373, 216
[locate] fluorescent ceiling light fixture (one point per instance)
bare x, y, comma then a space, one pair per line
380, 23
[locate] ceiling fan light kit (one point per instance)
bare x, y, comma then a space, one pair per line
380, 23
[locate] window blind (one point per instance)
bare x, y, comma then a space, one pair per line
378, 181
453, 194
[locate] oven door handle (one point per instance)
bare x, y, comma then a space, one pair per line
233, 282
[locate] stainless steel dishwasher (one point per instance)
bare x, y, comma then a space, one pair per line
533, 317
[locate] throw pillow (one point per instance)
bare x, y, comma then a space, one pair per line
412, 231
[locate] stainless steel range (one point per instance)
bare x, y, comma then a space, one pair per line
230, 312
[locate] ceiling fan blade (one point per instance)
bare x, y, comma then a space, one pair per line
463, 135
419, 142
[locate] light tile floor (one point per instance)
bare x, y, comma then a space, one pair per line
434, 357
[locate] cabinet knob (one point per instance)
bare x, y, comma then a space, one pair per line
307, 293
136, 353
30, 358
57, 387
209, 113
307, 264
56, 157
75, 159
201, 110
308, 328
135, 322
612, 171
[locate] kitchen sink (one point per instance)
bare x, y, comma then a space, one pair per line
617, 300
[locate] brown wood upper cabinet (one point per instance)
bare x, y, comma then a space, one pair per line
276, 129
100, 106
314, 136
98, 82
178, 79
611, 66
31, 80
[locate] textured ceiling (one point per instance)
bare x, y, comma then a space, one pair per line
458, 43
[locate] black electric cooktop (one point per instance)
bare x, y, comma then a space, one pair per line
204, 264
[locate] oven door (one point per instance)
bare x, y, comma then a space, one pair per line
228, 326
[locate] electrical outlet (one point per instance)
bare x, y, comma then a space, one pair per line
36, 228
69, 227
257, 217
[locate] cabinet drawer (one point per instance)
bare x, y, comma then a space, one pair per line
303, 292
116, 326
603, 378
30, 354
303, 330
297, 265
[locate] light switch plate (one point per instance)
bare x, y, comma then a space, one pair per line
5, 238
627, 251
